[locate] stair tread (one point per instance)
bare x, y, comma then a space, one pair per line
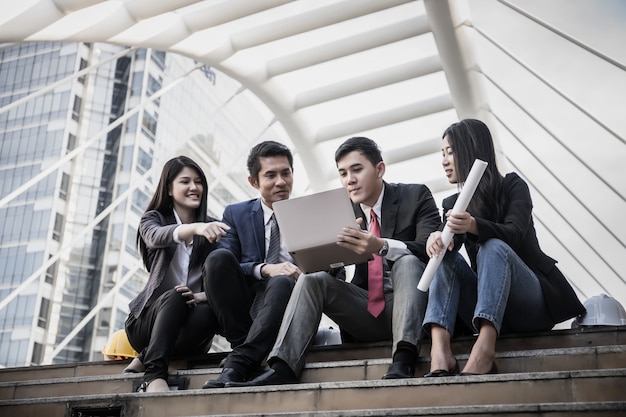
488, 409
557, 373
545, 353
422, 394
382, 383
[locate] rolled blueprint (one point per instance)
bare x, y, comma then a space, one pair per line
460, 206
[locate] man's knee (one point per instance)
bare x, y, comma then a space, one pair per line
219, 258
280, 284
317, 280
408, 265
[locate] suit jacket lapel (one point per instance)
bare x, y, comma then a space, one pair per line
358, 212
258, 226
390, 207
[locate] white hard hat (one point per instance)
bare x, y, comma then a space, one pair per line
602, 310
327, 336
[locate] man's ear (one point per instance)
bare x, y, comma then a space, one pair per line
253, 182
380, 169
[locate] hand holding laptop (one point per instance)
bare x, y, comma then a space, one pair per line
358, 240
310, 227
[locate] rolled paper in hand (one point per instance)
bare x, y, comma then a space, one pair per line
460, 206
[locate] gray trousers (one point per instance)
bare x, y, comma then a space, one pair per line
346, 305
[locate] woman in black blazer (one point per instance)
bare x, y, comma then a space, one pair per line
511, 286
171, 315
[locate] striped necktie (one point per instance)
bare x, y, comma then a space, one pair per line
274, 249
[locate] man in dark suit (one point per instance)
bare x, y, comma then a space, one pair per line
382, 301
261, 266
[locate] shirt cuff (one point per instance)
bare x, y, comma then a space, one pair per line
397, 249
257, 271
175, 235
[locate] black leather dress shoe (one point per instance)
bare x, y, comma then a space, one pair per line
399, 370
269, 377
228, 375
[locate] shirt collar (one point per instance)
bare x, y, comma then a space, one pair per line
377, 207
267, 213
178, 221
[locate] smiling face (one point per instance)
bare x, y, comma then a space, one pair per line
275, 179
448, 161
186, 190
362, 179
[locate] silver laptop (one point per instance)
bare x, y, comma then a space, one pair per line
309, 226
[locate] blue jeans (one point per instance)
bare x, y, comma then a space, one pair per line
505, 292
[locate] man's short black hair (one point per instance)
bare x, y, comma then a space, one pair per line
361, 144
263, 150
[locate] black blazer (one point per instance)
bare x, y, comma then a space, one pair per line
409, 214
516, 228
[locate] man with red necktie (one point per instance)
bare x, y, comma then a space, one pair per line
381, 302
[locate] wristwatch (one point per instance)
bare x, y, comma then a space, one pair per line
383, 251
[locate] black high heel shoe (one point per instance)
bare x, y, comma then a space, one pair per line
493, 370
444, 372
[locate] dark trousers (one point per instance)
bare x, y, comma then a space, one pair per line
167, 327
232, 295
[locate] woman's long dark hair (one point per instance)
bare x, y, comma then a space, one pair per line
163, 202
470, 139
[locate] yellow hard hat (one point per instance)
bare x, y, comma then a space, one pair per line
118, 347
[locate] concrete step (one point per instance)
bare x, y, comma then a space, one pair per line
563, 359
564, 391
603, 409
556, 339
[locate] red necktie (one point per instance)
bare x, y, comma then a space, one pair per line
376, 299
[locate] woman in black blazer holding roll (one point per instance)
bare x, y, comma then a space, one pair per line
511, 285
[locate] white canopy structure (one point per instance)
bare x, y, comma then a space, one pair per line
549, 78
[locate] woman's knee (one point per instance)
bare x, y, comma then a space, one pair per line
172, 296
494, 247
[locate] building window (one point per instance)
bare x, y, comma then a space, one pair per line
37, 353
153, 86
83, 65
65, 183
136, 84
158, 57
51, 272
44, 309
144, 161
71, 142
76, 108
58, 226
131, 244
140, 202
149, 125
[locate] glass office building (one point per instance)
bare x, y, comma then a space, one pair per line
86, 144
